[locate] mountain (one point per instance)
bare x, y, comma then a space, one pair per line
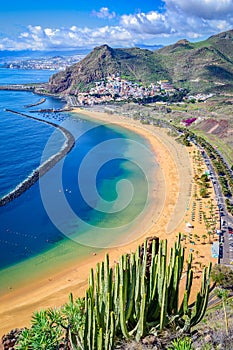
201, 66
134, 64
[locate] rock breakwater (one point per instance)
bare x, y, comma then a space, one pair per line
44, 167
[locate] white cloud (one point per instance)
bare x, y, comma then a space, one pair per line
104, 13
190, 19
150, 23
206, 9
38, 38
194, 19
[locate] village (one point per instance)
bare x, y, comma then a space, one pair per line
114, 88
117, 89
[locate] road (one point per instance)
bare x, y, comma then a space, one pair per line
226, 220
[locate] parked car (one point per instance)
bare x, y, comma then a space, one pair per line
220, 251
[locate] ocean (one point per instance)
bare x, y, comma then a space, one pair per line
86, 202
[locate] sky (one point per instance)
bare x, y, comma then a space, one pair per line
80, 24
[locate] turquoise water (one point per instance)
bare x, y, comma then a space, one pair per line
84, 203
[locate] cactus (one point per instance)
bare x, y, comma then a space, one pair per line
202, 298
163, 307
122, 314
139, 294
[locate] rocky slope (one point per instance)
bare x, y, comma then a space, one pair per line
134, 64
202, 66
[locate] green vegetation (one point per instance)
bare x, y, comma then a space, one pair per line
203, 192
211, 331
224, 175
223, 276
204, 184
198, 67
223, 295
182, 344
184, 139
137, 296
217, 142
45, 331
49, 326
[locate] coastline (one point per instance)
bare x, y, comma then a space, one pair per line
173, 195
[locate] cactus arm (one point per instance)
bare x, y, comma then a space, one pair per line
122, 314
99, 340
163, 312
142, 319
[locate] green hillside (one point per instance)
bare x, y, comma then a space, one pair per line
202, 67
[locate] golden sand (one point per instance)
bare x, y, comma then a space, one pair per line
169, 214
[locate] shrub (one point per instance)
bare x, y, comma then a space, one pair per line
182, 344
223, 276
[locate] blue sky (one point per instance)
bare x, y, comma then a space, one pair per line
51, 24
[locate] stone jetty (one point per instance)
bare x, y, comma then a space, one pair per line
42, 100
44, 167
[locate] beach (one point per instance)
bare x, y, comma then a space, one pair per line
167, 215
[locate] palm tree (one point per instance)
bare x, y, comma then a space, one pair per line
209, 233
204, 238
203, 192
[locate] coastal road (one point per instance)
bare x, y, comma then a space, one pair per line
226, 220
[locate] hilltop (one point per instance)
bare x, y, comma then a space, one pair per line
134, 64
205, 66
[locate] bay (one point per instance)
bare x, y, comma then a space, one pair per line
59, 219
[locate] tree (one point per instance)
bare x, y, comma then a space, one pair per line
204, 238
184, 237
209, 233
203, 192
222, 275
204, 180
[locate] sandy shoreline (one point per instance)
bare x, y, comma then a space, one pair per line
166, 215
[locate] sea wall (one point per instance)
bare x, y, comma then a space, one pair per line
42, 100
44, 167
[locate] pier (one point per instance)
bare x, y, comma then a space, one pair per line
18, 87
52, 110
